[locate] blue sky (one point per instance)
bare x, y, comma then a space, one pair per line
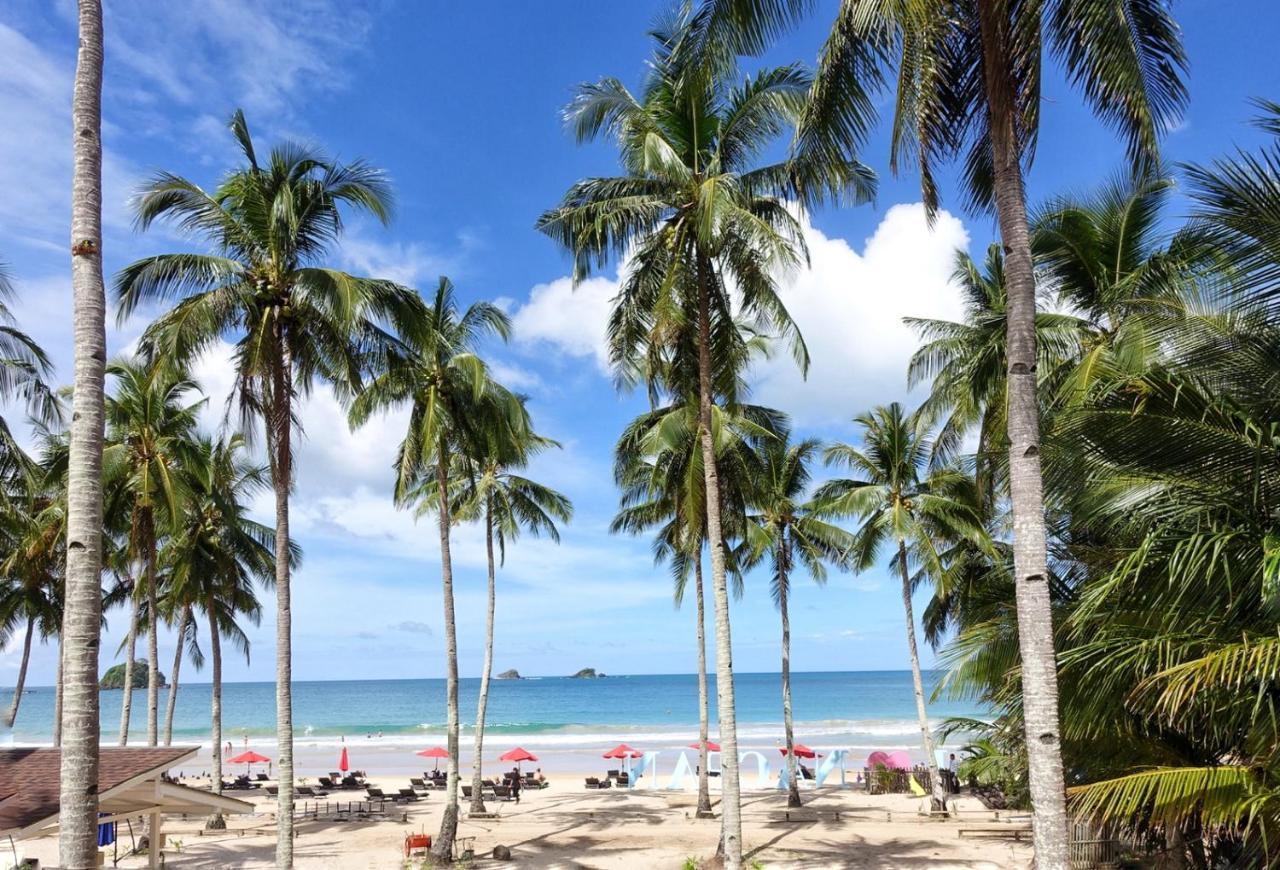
460, 104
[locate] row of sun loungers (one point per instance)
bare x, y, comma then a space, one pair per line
618, 778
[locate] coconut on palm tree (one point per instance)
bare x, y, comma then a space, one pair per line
293, 321
906, 508
788, 529
697, 213
454, 407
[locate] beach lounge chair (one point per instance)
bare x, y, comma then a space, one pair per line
503, 792
350, 782
592, 782
407, 794
623, 778
613, 774
376, 794
273, 791
466, 792
326, 782
418, 784
262, 777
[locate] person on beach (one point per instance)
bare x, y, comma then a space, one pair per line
539, 777
516, 783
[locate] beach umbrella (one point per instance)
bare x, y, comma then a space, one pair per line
436, 752
711, 747
626, 753
899, 760
622, 750
802, 751
343, 764
248, 758
518, 755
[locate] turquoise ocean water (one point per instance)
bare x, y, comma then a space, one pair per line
859, 709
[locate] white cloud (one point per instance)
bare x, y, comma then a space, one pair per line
569, 319
849, 307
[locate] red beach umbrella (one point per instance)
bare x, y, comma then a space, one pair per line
343, 764
711, 747
248, 758
622, 750
436, 752
802, 751
518, 755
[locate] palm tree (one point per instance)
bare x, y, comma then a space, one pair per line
967, 78
697, 214
82, 620
901, 504
24, 372
507, 503
294, 321
215, 557
788, 529
455, 406
31, 571
150, 431
658, 467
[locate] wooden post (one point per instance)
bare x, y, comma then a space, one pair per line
153, 844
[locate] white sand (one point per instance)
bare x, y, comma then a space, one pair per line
566, 826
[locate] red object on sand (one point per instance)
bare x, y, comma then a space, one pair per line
250, 757
622, 750
802, 751
433, 752
711, 747
343, 764
518, 754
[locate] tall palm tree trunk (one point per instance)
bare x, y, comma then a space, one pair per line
730, 791
939, 801
183, 625
282, 480
12, 715
57, 698
216, 821
131, 649
1035, 613
793, 785
153, 643
82, 612
477, 801
704, 714
443, 848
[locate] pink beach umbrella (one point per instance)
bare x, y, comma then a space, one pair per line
878, 758
248, 758
711, 746
899, 760
802, 751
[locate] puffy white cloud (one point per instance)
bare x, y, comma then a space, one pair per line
570, 319
849, 307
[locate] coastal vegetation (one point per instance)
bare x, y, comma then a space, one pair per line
1085, 494
114, 678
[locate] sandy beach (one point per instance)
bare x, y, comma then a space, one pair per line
566, 826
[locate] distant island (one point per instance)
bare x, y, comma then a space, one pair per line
512, 674
587, 674
114, 677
